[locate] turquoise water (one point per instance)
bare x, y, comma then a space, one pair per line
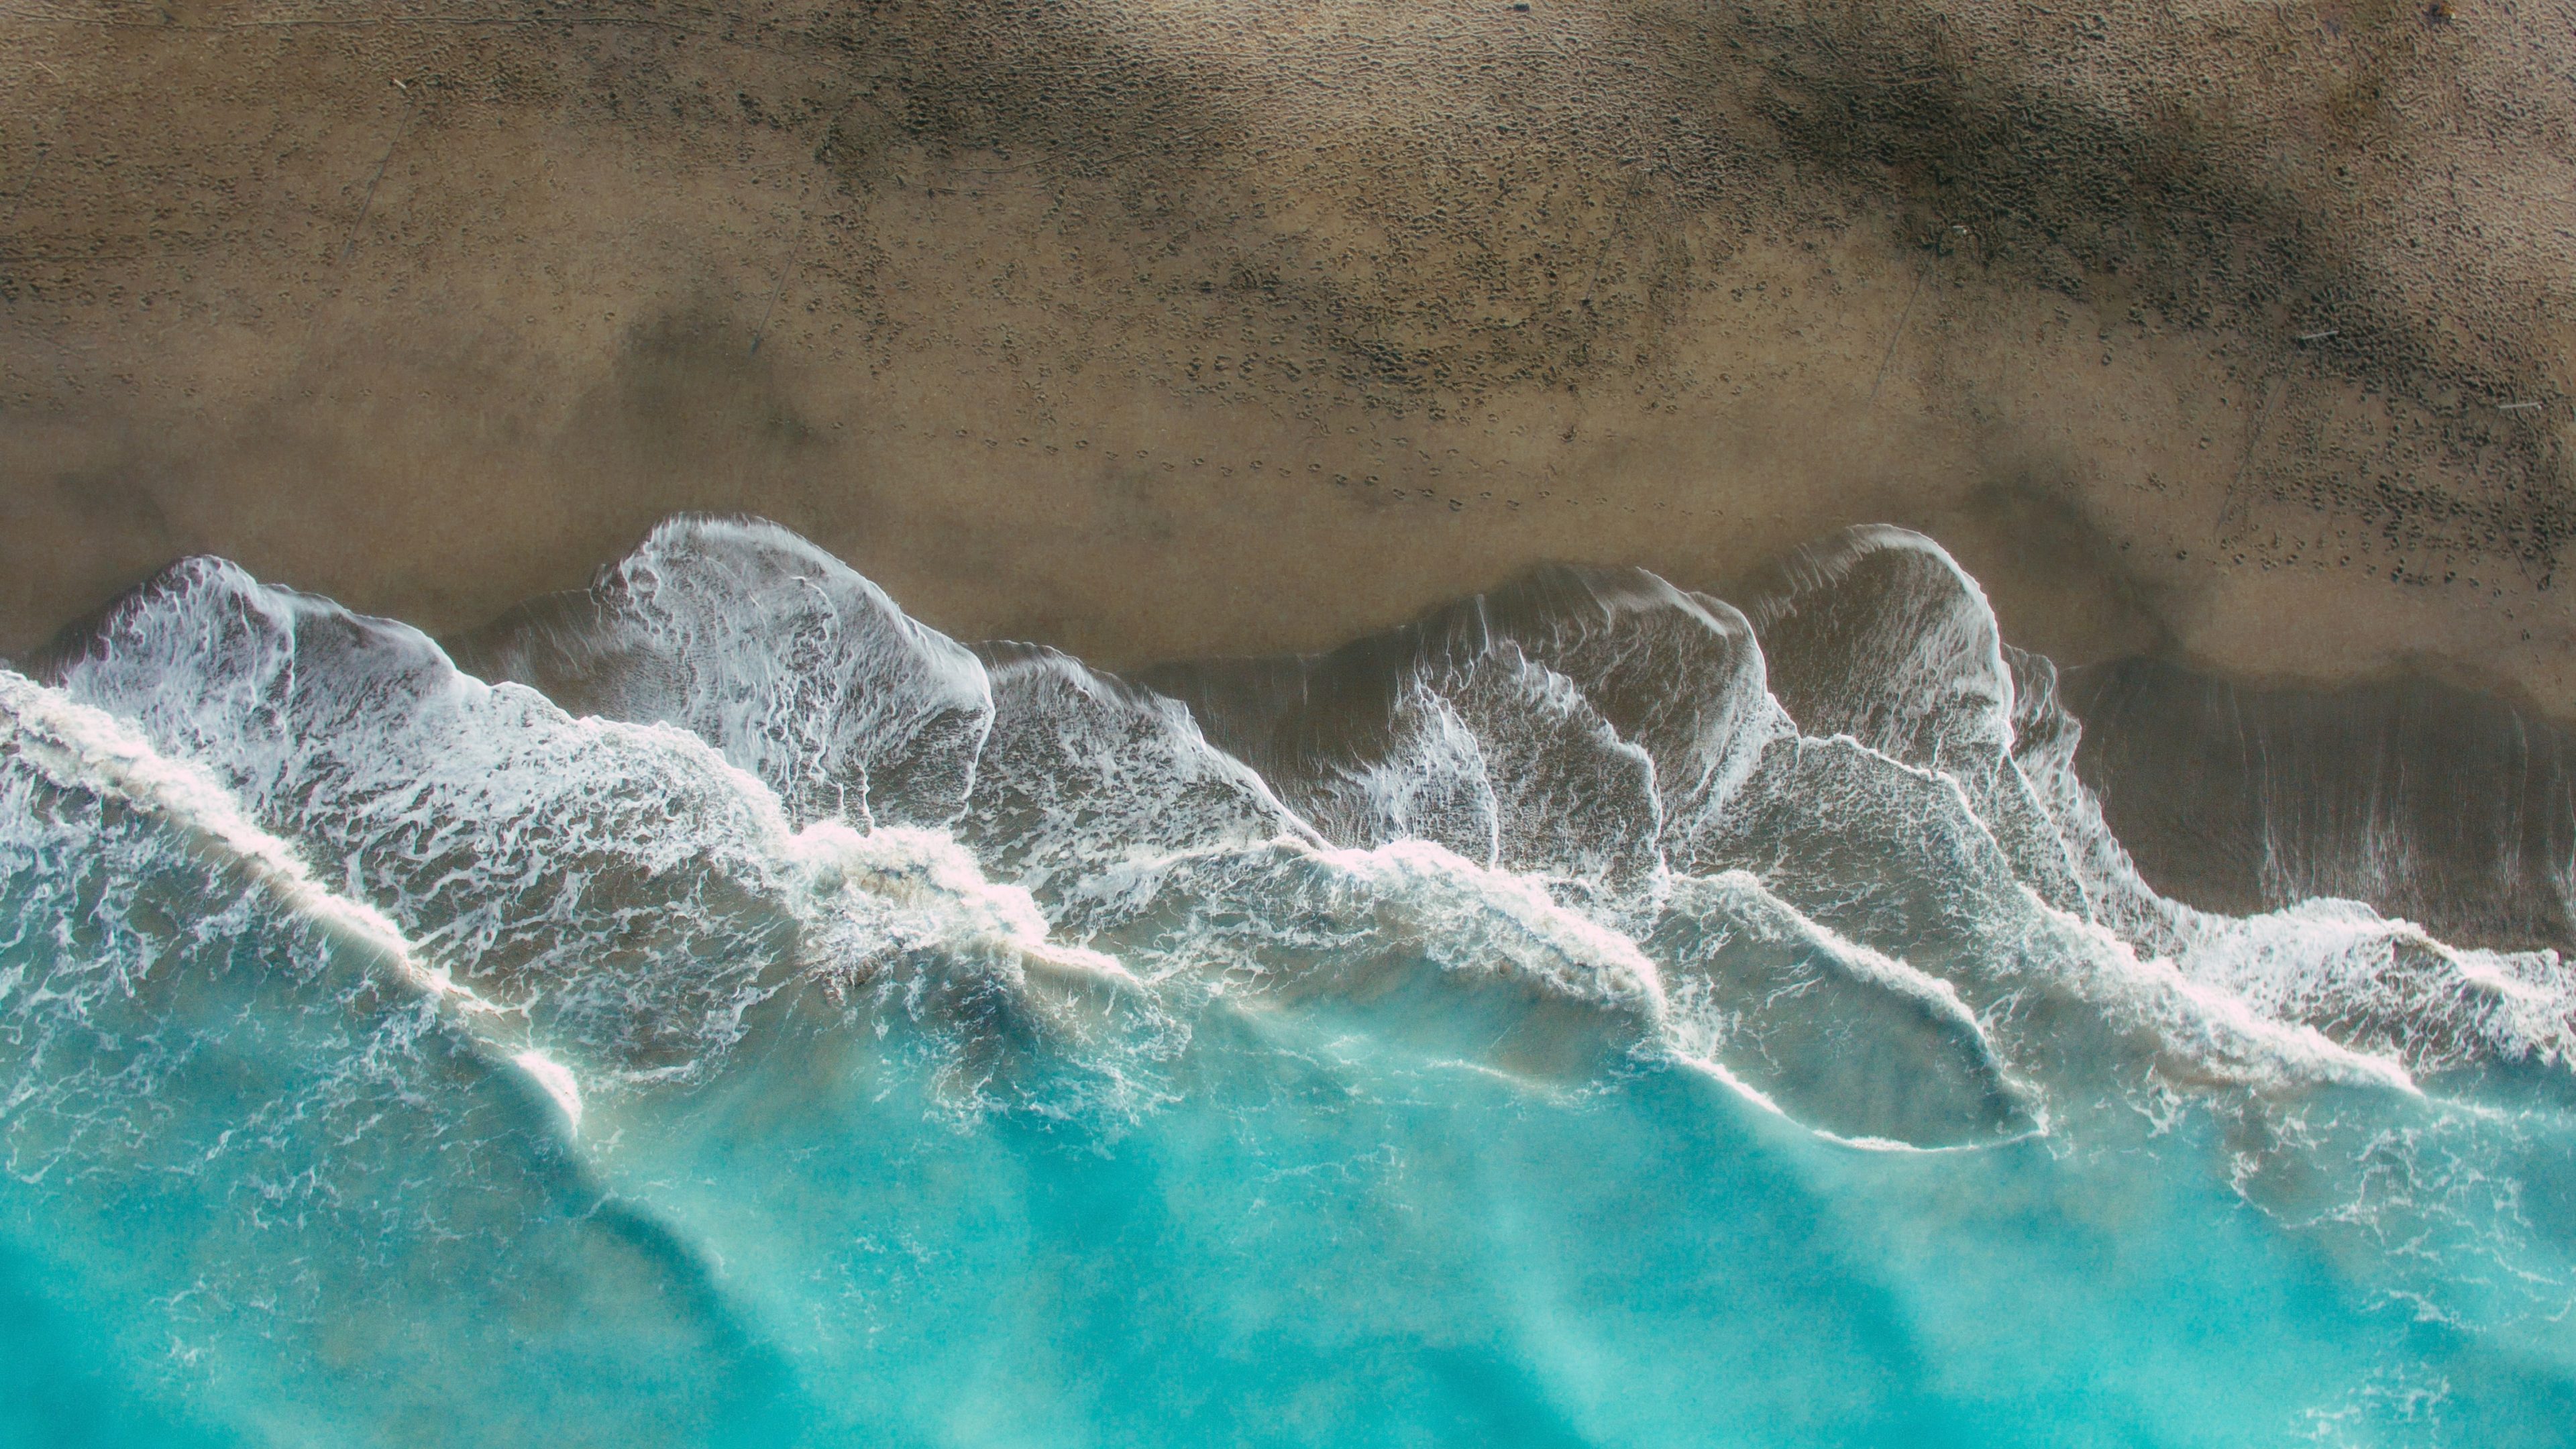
1595, 1016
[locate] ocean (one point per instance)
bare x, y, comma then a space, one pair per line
715, 1008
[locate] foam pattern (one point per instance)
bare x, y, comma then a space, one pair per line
724, 939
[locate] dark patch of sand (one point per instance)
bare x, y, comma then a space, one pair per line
1154, 330
2430, 802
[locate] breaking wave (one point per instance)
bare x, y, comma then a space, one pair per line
716, 1007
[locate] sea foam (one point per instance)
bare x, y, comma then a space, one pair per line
1458, 1024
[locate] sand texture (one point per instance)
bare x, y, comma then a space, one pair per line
2235, 333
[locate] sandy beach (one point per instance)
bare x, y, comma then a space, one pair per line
1152, 331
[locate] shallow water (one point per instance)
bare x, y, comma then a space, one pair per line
1593, 1015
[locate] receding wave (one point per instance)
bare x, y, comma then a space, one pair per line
717, 1007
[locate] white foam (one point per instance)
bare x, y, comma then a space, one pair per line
623, 888
81, 748
1430, 784
1083, 772
1505, 762
782, 657
1460, 960
557, 1081
1876, 632
1895, 855
2391, 986
1572, 799
639, 891
1847, 1039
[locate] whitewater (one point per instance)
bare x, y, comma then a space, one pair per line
714, 1008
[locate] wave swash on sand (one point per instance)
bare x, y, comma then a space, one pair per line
717, 1008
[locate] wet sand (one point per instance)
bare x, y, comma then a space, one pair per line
1158, 330
2432, 803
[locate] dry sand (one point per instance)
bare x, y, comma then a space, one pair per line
1150, 329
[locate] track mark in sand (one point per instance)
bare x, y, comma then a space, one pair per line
1904, 313
367, 203
2237, 511
789, 270
349, 244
